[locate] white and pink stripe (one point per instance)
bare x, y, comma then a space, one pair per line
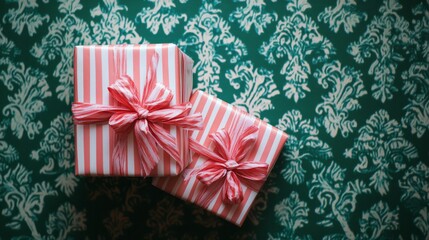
217, 115
95, 70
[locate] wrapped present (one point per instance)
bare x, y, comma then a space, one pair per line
231, 157
131, 109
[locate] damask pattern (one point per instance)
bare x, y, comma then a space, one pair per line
25, 16
344, 15
258, 88
386, 37
30, 88
347, 86
162, 14
348, 80
208, 39
252, 14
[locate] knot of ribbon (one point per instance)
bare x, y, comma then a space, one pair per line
144, 117
226, 167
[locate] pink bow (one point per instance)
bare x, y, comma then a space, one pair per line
144, 117
227, 167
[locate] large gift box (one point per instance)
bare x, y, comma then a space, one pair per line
231, 155
130, 109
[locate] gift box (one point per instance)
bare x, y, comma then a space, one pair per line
231, 155
146, 83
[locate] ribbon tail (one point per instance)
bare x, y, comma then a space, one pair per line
178, 115
193, 121
147, 148
202, 150
208, 193
232, 193
166, 141
118, 160
252, 174
89, 113
187, 174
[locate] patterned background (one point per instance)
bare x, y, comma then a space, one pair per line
348, 80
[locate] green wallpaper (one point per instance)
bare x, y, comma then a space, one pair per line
348, 80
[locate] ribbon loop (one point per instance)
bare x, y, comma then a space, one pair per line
124, 91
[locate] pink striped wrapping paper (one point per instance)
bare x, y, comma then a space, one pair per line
95, 71
218, 115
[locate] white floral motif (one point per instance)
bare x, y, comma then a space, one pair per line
335, 195
64, 34
384, 35
347, 86
344, 13
378, 220
419, 39
258, 87
57, 151
209, 34
30, 89
25, 16
8, 49
414, 186
64, 221
112, 28
416, 79
8, 153
24, 200
253, 14
422, 221
381, 150
296, 39
302, 146
292, 214
416, 86
162, 14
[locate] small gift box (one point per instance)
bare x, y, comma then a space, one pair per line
232, 156
131, 109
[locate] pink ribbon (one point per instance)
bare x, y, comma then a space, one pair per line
145, 118
226, 167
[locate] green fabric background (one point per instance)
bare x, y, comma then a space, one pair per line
348, 80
